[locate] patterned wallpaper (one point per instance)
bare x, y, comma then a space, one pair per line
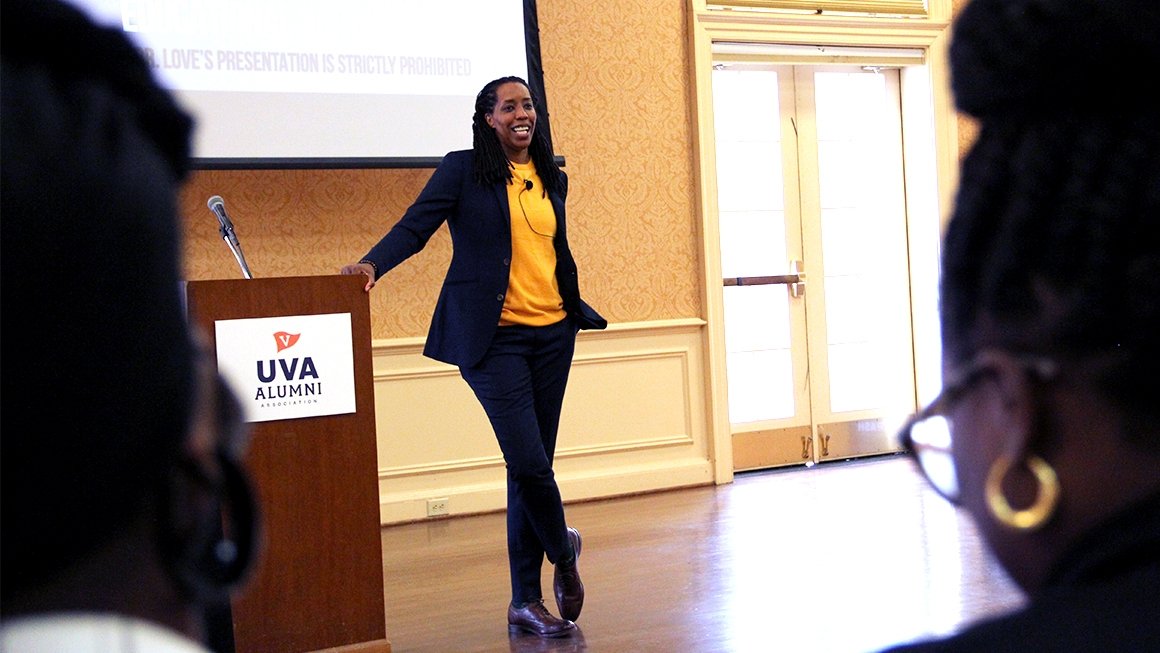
618, 87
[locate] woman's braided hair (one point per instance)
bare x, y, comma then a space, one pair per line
1054, 242
491, 164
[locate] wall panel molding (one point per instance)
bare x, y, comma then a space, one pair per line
634, 421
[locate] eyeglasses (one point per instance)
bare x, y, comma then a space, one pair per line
929, 434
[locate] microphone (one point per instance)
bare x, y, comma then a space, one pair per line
527, 184
218, 206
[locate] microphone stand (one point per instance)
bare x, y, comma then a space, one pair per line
236, 248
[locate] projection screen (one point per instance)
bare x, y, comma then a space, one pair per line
340, 83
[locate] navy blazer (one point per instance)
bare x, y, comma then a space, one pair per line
479, 219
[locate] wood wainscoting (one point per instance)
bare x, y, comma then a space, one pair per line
634, 421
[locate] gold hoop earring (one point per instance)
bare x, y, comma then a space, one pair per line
1046, 498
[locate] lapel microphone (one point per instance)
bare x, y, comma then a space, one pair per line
527, 184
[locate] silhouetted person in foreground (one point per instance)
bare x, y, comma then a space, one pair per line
1047, 431
120, 445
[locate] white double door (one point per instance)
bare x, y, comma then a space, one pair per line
813, 236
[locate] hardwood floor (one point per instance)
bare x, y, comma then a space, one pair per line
842, 557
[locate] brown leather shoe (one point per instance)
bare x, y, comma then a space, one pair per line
566, 582
535, 618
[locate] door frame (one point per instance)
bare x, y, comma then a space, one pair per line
927, 109
816, 432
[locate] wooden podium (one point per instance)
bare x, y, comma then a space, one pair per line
318, 584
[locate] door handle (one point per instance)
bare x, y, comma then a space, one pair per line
796, 280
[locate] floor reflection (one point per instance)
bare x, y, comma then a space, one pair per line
846, 557
529, 643
850, 565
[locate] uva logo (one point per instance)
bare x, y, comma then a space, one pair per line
292, 369
289, 369
288, 381
286, 340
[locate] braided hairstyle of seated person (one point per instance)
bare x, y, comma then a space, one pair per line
1054, 243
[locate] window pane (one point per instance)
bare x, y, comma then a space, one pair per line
863, 239
751, 212
758, 356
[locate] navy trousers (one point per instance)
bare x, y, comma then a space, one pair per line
520, 382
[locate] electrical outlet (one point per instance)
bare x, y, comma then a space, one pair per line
438, 507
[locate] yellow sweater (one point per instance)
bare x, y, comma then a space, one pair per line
533, 296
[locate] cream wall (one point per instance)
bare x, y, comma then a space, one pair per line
633, 421
638, 413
